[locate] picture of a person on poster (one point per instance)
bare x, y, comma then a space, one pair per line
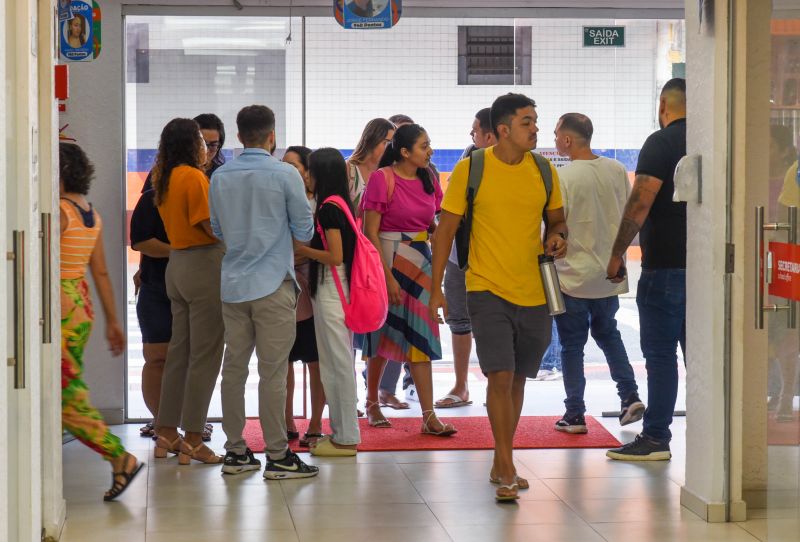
367, 8
75, 31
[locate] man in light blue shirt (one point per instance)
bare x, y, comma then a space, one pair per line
257, 205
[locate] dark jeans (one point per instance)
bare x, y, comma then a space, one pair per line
661, 298
552, 356
597, 316
391, 375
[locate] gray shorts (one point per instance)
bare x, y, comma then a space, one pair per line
508, 337
455, 292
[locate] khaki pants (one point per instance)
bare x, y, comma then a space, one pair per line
268, 325
195, 349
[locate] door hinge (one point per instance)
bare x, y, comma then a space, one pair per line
730, 253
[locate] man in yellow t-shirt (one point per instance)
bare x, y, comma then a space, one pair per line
505, 298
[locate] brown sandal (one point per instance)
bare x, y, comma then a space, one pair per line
163, 447
201, 453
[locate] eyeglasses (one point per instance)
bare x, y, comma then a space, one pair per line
213, 145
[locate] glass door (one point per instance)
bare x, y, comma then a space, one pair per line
783, 418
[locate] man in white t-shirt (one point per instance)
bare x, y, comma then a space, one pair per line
594, 189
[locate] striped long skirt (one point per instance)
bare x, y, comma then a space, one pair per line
78, 416
409, 334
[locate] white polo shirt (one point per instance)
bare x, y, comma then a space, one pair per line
594, 194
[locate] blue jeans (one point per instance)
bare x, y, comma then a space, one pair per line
552, 356
597, 316
661, 298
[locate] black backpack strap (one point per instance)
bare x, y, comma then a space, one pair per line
547, 177
476, 163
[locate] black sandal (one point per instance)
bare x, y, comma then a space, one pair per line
304, 441
117, 487
147, 430
292, 435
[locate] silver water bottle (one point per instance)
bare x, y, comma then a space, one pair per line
552, 290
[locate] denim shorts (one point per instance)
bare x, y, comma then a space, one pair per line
508, 337
154, 311
455, 292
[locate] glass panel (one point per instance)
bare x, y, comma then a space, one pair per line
183, 66
783, 421
186, 66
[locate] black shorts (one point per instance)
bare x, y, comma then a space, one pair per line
305, 343
154, 310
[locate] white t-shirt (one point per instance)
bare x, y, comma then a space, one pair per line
594, 193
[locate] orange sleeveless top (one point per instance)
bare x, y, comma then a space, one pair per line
78, 240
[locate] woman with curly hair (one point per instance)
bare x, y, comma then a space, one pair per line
82, 246
193, 286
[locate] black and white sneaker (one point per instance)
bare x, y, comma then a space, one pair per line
289, 467
632, 410
237, 464
575, 424
643, 448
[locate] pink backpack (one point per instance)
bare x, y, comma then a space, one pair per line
369, 302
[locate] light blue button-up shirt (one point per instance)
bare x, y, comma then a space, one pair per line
257, 205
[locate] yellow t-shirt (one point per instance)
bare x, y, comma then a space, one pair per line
790, 194
506, 238
184, 207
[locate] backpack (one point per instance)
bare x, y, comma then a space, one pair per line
476, 160
388, 174
369, 301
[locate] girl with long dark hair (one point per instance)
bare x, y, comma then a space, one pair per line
193, 286
328, 174
400, 203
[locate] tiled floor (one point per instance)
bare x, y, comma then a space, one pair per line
575, 495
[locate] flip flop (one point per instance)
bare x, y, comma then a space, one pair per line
521, 482
454, 402
501, 496
397, 405
305, 442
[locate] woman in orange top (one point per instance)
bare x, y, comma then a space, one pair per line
193, 286
82, 245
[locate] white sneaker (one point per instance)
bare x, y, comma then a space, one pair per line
555, 374
411, 394
543, 374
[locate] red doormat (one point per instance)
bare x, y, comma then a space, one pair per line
783, 433
474, 433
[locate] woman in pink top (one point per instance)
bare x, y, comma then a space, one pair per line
400, 203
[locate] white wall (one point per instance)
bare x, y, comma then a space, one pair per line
95, 117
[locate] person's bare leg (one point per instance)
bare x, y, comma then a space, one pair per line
518, 398
502, 409
422, 374
462, 348
290, 425
317, 398
155, 355
375, 367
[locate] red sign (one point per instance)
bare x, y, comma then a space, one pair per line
785, 270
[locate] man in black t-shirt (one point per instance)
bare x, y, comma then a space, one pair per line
661, 294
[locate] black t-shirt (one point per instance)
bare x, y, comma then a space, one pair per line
146, 224
663, 235
331, 217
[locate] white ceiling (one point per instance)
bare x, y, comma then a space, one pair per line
464, 4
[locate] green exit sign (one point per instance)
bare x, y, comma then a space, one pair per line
604, 36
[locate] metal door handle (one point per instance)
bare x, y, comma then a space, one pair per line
17, 256
765, 266
47, 318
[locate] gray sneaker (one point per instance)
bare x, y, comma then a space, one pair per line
631, 410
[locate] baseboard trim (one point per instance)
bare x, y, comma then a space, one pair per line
710, 511
756, 499
54, 527
113, 416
